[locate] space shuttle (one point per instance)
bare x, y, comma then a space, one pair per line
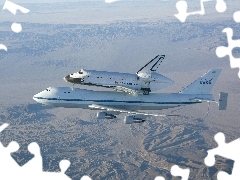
110, 103
143, 82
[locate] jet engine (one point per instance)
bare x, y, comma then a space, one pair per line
132, 119
105, 115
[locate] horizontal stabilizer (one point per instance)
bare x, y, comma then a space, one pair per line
223, 101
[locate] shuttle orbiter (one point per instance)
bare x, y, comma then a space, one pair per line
144, 81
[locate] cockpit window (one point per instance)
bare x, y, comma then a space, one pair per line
80, 72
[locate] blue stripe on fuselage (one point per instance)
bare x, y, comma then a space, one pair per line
54, 99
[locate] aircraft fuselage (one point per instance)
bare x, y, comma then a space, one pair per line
113, 79
82, 98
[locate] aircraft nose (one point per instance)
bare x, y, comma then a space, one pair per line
37, 97
74, 80
34, 98
70, 79
67, 78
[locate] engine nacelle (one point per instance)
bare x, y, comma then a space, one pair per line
105, 115
132, 119
128, 120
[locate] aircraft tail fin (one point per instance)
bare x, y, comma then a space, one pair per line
152, 65
204, 84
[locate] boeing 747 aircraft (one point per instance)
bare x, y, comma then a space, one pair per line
112, 103
144, 81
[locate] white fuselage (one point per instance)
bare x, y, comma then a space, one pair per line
82, 98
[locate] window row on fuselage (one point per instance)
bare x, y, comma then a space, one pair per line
111, 80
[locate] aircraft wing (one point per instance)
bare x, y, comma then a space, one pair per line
118, 111
107, 108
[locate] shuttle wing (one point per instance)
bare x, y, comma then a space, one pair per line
125, 89
122, 89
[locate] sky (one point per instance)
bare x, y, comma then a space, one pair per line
55, 1
50, 1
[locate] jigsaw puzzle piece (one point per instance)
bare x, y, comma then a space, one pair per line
177, 171
182, 7
64, 165
235, 172
228, 150
223, 176
111, 1
32, 169
13, 8
224, 51
7, 164
159, 178
221, 6
5, 125
236, 17
34, 165
88, 178
182, 11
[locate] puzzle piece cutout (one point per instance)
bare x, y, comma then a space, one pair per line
182, 8
223, 51
32, 169
159, 178
86, 178
110, 1
236, 17
13, 8
228, 150
4, 126
177, 171
3, 47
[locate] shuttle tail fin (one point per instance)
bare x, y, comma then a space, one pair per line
204, 84
152, 65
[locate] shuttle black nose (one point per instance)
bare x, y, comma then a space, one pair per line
70, 79
67, 78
